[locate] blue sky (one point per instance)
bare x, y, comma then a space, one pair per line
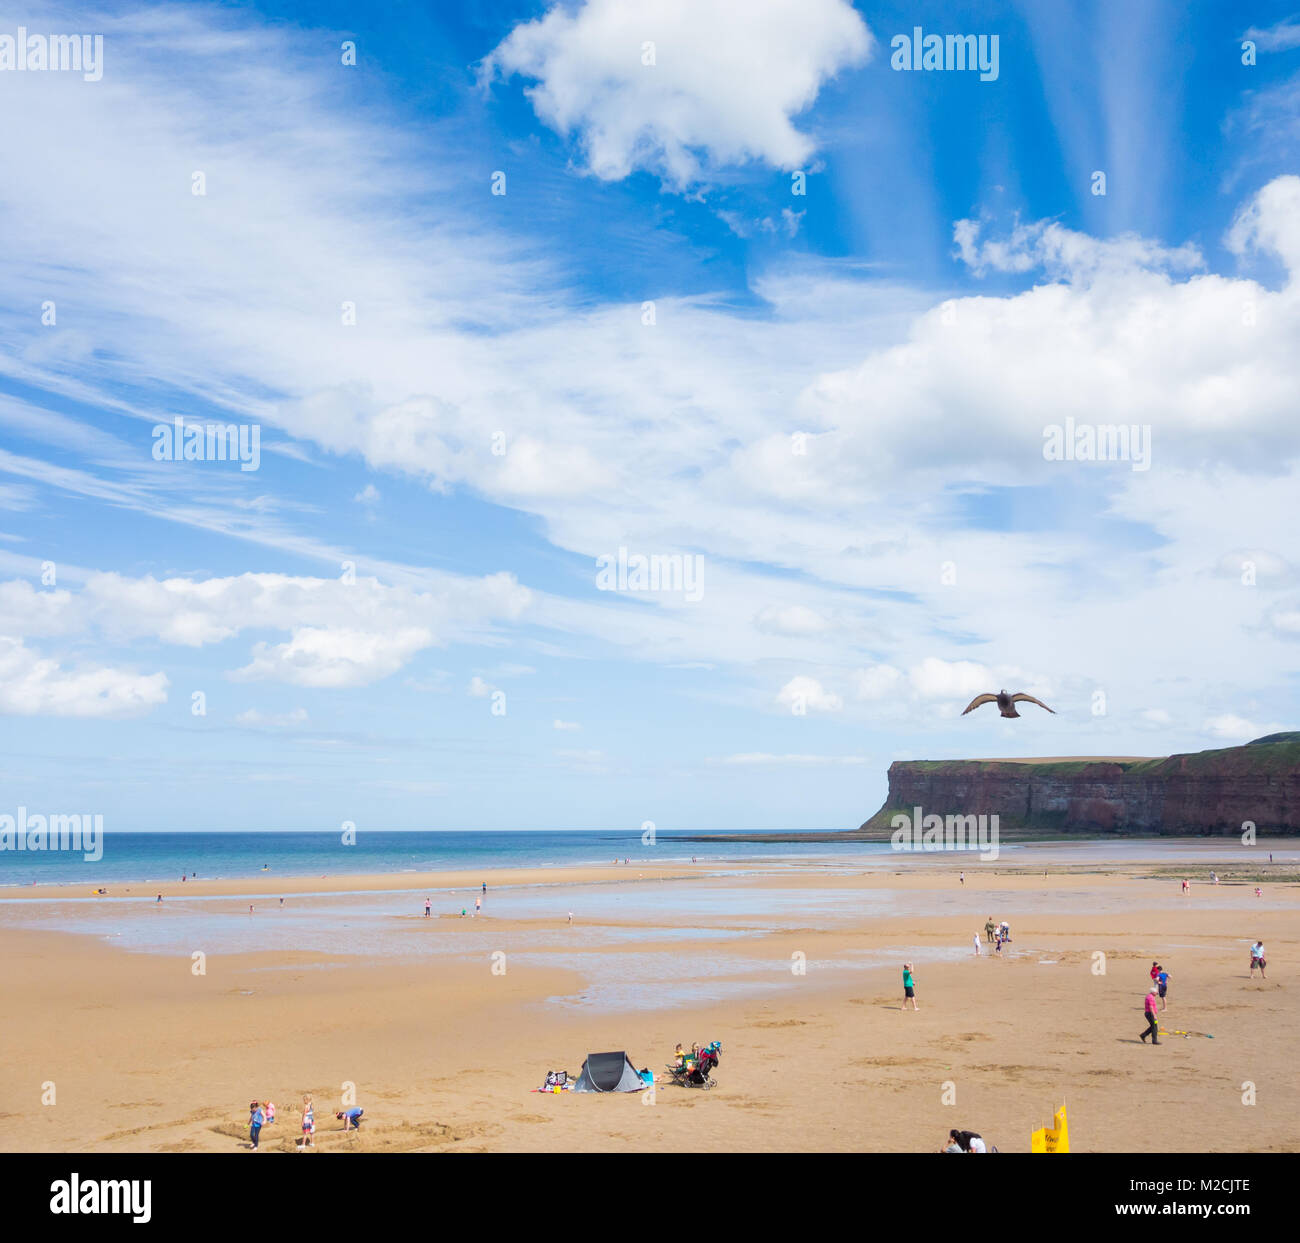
833, 404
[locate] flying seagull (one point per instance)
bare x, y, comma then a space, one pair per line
1007, 703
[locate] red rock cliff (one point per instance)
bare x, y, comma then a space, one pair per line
1203, 792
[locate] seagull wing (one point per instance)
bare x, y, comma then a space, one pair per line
1022, 698
981, 699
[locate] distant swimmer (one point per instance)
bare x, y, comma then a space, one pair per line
1006, 703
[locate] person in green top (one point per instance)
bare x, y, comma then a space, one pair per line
989, 929
909, 987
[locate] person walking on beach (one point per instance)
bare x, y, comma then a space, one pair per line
977, 945
961, 876
570, 919
989, 929
485, 888
478, 906
255, 1119
1153, 1022
1184, 886
427, 905
1162, 985
909, 987
1257, 960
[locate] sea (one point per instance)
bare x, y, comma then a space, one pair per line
166, 857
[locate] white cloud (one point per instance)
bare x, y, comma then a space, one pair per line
369, 495
342, 633
1270, 222
480, 689
791, 619
1232, 728
958, 679
569, 725
334, 658
1255, 567
764, 759
34, 686
807, 694
727, 81
876, 682
1062, 252
1281, 37
256, 719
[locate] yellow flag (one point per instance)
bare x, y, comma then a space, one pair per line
1062, 1131
1051, 1138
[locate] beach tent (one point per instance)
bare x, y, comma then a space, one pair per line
608, 1072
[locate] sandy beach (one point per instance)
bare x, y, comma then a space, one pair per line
446, 1024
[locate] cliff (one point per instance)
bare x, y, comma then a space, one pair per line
1204, 792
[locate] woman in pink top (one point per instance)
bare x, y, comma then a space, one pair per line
1153, 1021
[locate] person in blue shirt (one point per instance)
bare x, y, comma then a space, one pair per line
351, 1118
1162, 983
255, 1119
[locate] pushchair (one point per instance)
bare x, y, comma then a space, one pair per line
695, 1067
